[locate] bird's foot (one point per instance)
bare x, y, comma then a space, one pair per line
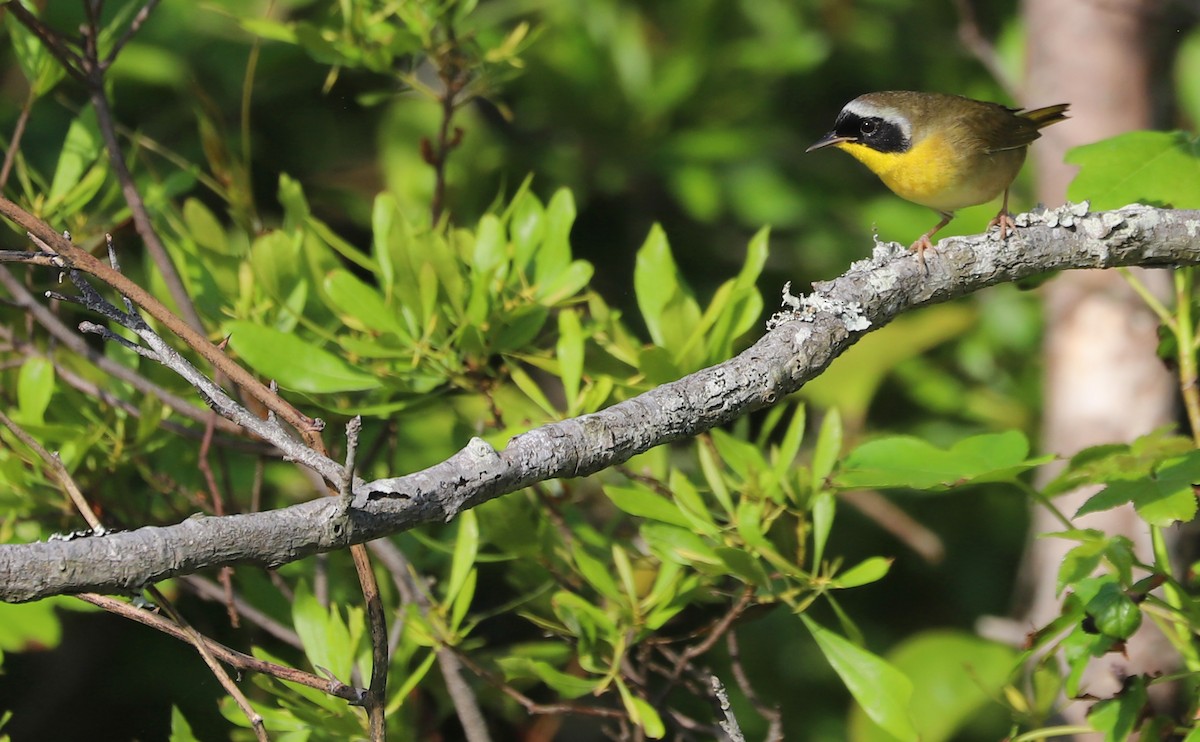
919, 247
1005, 221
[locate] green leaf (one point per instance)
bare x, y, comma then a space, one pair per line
293, 362
360, 306
829, 447
466, 548
552, 259
743, 457
27, 626
679, 545
181, 731
596, 573
204, 228
1115, 614
647, 718
871, 569
569, 351
565, 685
325, 637
744, 566
1116, 462
1165, 497
955, 678
882, 691
666, 303
904, 461
793, 437
565, 284
1151, 167
1118, 717
526, 226
691, 505
35, 387
642, 503
80, 149
824, 507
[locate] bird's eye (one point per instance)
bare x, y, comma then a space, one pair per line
867, 127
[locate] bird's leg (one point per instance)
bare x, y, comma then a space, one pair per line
1003, 219
923, 242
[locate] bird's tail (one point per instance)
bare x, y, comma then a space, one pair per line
1043, 117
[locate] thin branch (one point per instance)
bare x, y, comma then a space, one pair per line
14, 146
730, 724
799, 345
231, 657
975, 42
134, 26
70, 61
84, 261
199, 642
59, 472
466, 705
770, 713
210, 590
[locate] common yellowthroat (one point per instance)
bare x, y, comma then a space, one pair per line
940, 151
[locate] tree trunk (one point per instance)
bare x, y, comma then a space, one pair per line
1103, 381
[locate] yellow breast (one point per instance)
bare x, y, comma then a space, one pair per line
935, 173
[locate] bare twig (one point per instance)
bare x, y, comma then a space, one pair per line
730, 724
770, 713
55, 465
14, 146
200, 643
975, 42
466, 705
70, 339
231, 657
85, 262
215, 592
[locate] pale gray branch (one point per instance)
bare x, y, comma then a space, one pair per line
798, 346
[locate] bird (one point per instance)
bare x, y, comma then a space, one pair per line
939, 150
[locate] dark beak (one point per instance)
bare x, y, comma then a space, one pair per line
828, 140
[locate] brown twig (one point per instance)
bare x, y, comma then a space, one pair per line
770, 713
14, 146
87, 263
231, 657
376, 697
711, 637
891, 518
55, 465
201, 644
466, 705
453, 76
71, 340
209, 590
974, 41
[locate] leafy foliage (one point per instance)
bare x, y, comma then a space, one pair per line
498, 313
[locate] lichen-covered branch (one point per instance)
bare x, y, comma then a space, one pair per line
799, 344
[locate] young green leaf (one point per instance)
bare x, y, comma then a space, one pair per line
824, 507
829, 447
642, 503
882, 691
569, 351
35, 387
295, 363
871, 569
466, 548
1162, 499
1151, 167
904, 461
